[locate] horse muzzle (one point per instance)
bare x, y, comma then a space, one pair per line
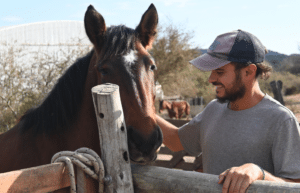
143, 149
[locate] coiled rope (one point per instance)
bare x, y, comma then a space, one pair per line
81, 158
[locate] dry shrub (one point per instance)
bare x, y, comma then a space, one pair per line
291, 83
27, 75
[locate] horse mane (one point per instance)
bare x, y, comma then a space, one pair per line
119, 40
59, 109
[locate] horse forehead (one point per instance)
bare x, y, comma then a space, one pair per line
133, 55
130, 57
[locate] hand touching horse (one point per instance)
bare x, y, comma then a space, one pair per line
175, 108
66, 120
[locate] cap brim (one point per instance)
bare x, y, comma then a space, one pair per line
206, 62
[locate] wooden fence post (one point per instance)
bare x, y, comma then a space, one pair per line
276, 89
113, 138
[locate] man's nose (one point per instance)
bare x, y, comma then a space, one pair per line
211, 78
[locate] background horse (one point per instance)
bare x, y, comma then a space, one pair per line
175, 108
66, 119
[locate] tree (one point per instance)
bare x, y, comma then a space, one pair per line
172, 51
26, 77
291, 64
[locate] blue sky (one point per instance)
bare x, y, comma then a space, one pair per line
275, 22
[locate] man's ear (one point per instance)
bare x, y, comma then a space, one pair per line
251, 70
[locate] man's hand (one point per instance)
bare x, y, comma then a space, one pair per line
238, 179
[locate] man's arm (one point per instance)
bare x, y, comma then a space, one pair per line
170, 134
238, 179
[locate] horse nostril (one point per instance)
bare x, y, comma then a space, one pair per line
160, 136
144, 146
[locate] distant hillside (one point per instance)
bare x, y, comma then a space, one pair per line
273, 57
203, 51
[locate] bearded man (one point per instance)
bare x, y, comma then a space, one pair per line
244, 134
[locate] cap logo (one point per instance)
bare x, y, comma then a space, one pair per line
214, 45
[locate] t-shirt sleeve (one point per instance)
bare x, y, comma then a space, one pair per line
286, 150
189, 135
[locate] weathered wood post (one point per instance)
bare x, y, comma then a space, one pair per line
276, 89
279, 88
113, 138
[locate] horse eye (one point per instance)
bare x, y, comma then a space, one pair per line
153, 67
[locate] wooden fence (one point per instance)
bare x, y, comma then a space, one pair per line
146, 179
178, 160
276, 87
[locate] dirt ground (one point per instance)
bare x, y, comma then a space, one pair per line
293, 103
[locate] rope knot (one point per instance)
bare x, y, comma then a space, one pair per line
86, 159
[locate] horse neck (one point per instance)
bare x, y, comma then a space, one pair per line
85, 130
168, 105
24, 149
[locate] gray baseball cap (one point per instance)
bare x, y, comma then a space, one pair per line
236, 46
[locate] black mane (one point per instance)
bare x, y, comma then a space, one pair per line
60, 108
119, 40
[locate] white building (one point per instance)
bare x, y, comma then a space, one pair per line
50, 33
46, 40
51, 41
54, 39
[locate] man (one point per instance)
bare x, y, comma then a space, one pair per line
244, 135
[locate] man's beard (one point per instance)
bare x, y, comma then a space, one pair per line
237, 91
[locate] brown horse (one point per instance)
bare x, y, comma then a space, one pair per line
66, 120
175, 108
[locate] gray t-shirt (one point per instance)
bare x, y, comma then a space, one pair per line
267, 134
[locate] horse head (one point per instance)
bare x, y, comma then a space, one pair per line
121, 58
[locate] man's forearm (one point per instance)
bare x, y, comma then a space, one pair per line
170, 134
270, 177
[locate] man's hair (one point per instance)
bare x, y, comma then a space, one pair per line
263, 71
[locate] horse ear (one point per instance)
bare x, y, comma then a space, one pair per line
147, 28
95, 27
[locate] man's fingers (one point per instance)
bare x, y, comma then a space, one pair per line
227, 183
222, 176
238, 179
238, 185
234, 182
245, 184
221, 179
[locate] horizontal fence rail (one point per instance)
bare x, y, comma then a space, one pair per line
151, 179
46, 178
146, 179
